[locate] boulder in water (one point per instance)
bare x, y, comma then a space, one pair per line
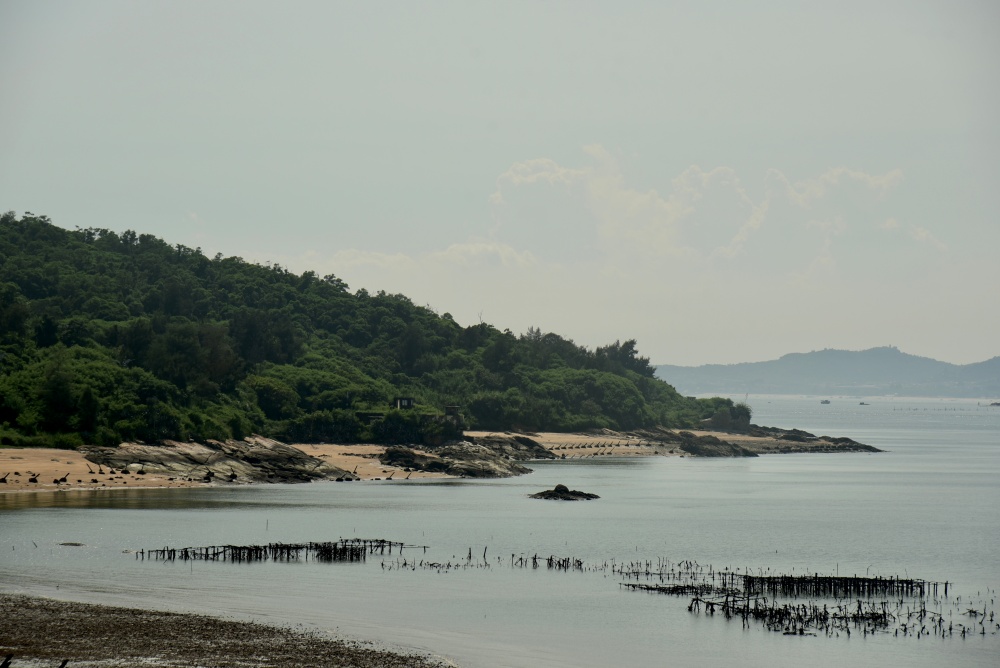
564, 493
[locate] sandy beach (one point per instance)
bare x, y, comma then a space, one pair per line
582, 445
44, 469
362, 459
622, 444
49, 466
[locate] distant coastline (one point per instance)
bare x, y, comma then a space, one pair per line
875, 372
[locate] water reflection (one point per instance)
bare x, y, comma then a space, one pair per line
284, 495
131, 499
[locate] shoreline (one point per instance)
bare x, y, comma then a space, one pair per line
81, 474
68, 470
41, 632
678, 443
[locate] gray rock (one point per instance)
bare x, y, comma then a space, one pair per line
254, 459
564, 493
464, 458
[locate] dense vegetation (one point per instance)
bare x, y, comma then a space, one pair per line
106, 337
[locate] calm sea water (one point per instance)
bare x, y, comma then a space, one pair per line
928, 508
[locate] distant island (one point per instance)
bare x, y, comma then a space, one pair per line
873, 372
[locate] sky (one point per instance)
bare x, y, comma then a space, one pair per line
722, 181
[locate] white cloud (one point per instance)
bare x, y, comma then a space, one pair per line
807, 191
527, 172
703, 215
642, 220
923, 236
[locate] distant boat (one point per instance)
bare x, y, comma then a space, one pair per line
825, 401
863, 404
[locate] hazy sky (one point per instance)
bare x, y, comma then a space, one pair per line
723, 181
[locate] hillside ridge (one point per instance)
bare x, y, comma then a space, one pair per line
112, 336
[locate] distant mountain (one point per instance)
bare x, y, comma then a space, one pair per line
877, 371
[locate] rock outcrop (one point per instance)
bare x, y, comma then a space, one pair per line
254, 459
797, 440
710, 446
494, 456
516, 447
564, 493
754, 441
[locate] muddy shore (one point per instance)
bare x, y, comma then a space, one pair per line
44, 632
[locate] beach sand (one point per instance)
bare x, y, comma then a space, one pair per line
49, 465
362, 459
620, 444
582, 445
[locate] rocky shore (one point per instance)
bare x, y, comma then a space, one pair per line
44, 632
257, 459
692, 443
254, 459
477, 456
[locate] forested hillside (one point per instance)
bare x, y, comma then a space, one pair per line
106, 337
